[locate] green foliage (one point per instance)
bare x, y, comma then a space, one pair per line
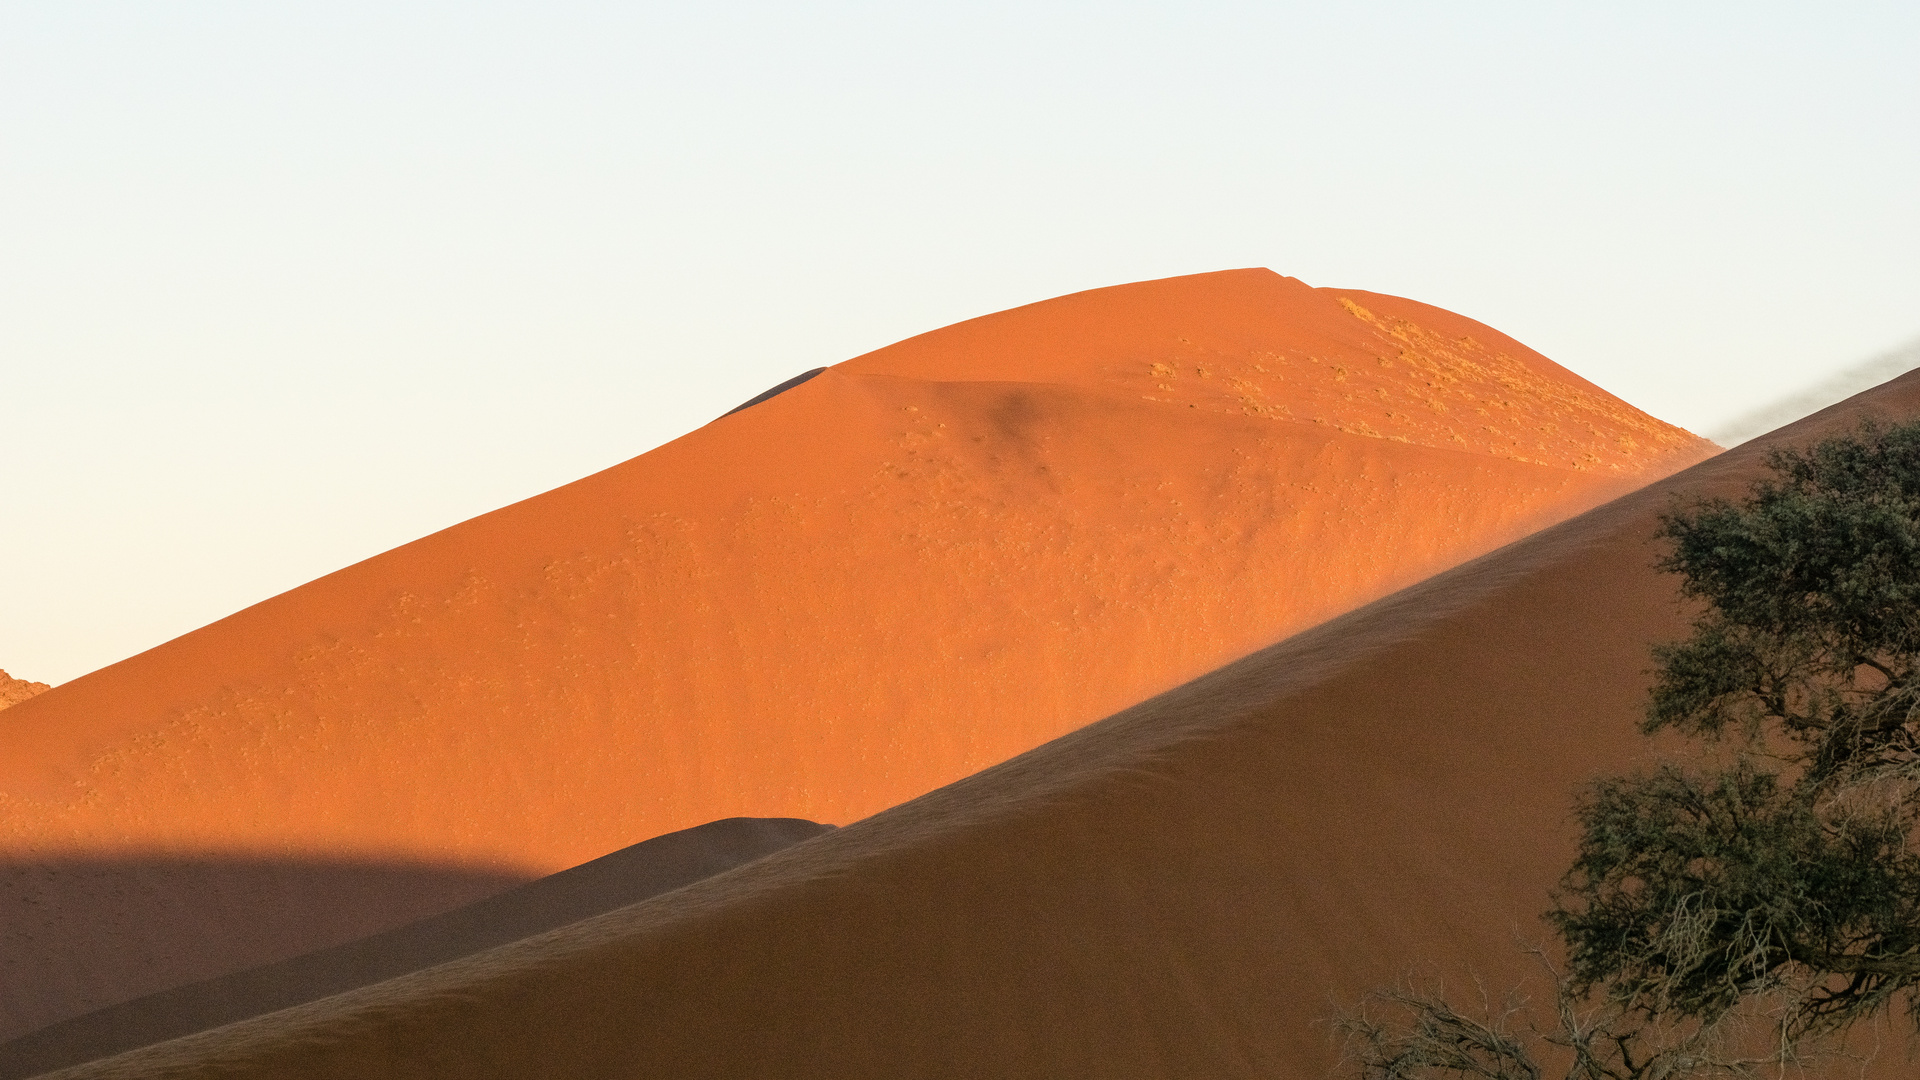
1774, 876
1812, 593
1693, 891
1789, 868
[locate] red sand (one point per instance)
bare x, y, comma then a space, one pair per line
14, 691
1183, 889
920, 563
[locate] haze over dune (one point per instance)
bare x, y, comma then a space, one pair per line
1182, 889
917, 564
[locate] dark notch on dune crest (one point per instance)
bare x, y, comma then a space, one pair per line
627, 876
774, 391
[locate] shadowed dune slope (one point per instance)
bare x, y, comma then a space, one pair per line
76, 929
896, 573
611, 881
1178, 890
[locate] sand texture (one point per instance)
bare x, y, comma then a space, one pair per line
1179, 890
625, 877
905, 569
14, 691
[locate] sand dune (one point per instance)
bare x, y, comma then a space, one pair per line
611, 881
894, 574
14, 691
1181, 889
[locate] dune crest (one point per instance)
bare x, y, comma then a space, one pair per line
891, 575
14, 691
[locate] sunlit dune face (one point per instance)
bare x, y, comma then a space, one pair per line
918, 564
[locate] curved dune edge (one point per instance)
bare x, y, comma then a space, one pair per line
612, 881
917, 564
1178, 890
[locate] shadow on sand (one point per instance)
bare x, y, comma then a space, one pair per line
101, 957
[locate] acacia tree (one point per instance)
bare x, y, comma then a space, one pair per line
1775, 874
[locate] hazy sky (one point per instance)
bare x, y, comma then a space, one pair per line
285, 284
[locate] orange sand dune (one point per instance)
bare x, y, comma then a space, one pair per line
899, 572
14, 691
1180, 890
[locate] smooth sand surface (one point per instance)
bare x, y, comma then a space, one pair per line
910, 567
14, 691
611, 881
1183, 889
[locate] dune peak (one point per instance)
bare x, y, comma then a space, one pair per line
1257, 344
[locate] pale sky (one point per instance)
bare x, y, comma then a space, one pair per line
283, 285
